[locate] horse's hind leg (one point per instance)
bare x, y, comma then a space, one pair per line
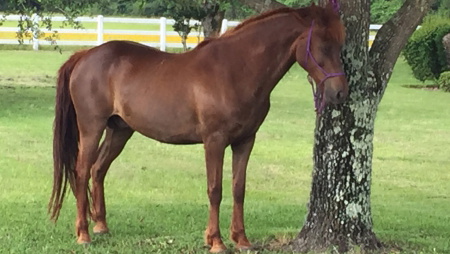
112, 146
90, 133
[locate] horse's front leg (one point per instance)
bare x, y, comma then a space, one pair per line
241, 154
214, 152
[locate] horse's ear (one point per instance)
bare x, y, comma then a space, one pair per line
332, 7
304, 12
329, 11
332, 21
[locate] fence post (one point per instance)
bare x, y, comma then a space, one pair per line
162, 34
35, 31
224, 26
99, 29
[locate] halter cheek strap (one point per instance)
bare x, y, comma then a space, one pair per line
319, 105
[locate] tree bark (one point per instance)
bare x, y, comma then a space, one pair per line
212, 22
339, 210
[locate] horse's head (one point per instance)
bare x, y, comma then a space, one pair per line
318, 52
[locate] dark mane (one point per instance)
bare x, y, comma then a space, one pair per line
325, 18
258, 18
246, 22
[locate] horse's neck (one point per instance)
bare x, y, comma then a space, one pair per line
265, 51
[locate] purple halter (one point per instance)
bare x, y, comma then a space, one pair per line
319, 102
335, 5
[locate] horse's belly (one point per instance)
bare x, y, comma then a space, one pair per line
172, 137
166, 128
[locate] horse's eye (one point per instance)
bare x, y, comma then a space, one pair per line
326, 50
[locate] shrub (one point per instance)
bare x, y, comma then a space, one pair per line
444, 81
425, 52
381, 11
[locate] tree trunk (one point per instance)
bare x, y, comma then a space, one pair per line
446, 43
339, 208
213, 20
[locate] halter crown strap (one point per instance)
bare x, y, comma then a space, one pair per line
335, 4
319, 105
308, 43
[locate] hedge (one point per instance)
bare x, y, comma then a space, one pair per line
425, 52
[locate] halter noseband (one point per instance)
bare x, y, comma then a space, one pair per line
319, 105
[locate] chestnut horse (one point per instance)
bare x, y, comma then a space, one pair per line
217, 94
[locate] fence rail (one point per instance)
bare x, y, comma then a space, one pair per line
162, 38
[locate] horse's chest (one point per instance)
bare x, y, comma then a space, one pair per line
246, 121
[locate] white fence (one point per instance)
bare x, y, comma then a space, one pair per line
161, 37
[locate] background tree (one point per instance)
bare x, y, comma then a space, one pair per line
212, 21
183, 12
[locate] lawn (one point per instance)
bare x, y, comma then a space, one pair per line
156, 195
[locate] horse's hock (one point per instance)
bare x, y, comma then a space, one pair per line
446, 43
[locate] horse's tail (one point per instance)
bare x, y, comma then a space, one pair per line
65, 138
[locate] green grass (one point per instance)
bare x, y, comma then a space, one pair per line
156, 196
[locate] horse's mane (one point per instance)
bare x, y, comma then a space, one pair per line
326, 18
256, 19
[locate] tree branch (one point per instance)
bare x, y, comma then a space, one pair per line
392, 37
262, 5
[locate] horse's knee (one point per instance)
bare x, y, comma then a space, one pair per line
215, 194
97, 174
239, 192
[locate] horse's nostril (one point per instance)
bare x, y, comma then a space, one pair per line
339, 95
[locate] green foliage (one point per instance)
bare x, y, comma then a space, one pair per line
297, 3
234, 9
441, 7
30, 8
425, 52
381, 10
444, 81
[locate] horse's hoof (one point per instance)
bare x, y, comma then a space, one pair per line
100, 230
218, 248
244, 247
84, 240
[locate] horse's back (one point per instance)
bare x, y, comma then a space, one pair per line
139, 84
111, 69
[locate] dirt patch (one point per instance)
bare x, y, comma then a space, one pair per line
423, 87
33, 81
